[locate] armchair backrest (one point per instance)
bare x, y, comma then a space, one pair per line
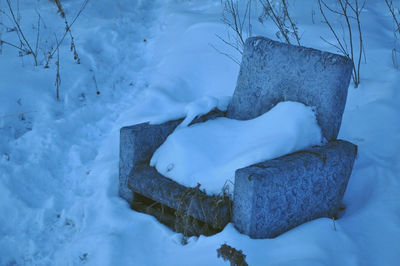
272, 72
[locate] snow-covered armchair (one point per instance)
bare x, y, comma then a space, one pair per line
270, 197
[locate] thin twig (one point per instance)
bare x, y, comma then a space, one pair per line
344, 52
38, 34
361, 46
331, 9
18, 114
394, 58
228, 55
229, 44
13, 45
58, 77
396, 32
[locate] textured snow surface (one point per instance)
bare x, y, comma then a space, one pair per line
209, 153
59, 202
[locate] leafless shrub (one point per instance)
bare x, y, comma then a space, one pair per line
55, 49
278, 12
348, 10
24, 46
238, 21
237, 16
395, 12
67, 32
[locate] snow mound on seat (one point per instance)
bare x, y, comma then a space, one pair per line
209, 153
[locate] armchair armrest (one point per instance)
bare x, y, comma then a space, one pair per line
139, 142
214, 210
274, 196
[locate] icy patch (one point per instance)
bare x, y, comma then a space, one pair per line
210, 152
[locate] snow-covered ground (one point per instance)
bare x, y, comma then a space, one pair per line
146, 61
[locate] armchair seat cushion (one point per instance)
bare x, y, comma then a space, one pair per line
209, 153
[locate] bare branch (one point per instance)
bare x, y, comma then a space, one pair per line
278, 22
13, 45
58, 77
395, 19
331, 9
396, 31
344, 52
292, 24
344, 9
282, 20
348, 10
230, 44
67, 29
226, 54
38, 33
394, 58
238, 21
330, 26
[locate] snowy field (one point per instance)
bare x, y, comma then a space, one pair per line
147, 61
